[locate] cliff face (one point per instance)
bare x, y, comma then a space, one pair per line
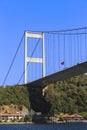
11, 109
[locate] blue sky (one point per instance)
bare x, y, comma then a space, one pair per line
36, 15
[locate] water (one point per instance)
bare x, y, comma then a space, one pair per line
78, 126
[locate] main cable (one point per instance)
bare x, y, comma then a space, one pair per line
12, 61
59, 31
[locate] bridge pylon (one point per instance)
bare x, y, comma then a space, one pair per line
30, 59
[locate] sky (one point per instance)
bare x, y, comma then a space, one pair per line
36, 15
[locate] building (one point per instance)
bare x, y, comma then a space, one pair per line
11, 117
72, 118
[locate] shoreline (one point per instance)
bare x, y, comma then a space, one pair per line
59, 122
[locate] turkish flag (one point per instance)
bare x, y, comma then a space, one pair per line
62, 63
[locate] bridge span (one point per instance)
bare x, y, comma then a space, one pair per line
59, 76
37, 101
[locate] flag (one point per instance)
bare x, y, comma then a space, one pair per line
62, 63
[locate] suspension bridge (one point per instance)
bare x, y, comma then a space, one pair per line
51, 56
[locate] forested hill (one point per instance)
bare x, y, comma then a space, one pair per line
17, 95
68, 96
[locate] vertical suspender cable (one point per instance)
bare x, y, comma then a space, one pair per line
77, 48
54, 53
43, 56
59, 51
64, 52
70, 49
50, 48
85, 45
80, 52
49, 52
46, 52
74, 37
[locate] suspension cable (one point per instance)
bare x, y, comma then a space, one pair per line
59, 31
64, 51
12, 61
86, 43
59, 51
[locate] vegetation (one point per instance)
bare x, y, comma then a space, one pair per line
14, 95
68, 96
84, 114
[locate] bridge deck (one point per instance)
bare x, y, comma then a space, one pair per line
59, 76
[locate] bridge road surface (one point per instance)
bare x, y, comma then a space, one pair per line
59, 76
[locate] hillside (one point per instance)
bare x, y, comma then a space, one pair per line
68, 96
17, 95
12, 109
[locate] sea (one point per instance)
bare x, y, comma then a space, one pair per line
70, 126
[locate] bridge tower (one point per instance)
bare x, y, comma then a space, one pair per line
30, 59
